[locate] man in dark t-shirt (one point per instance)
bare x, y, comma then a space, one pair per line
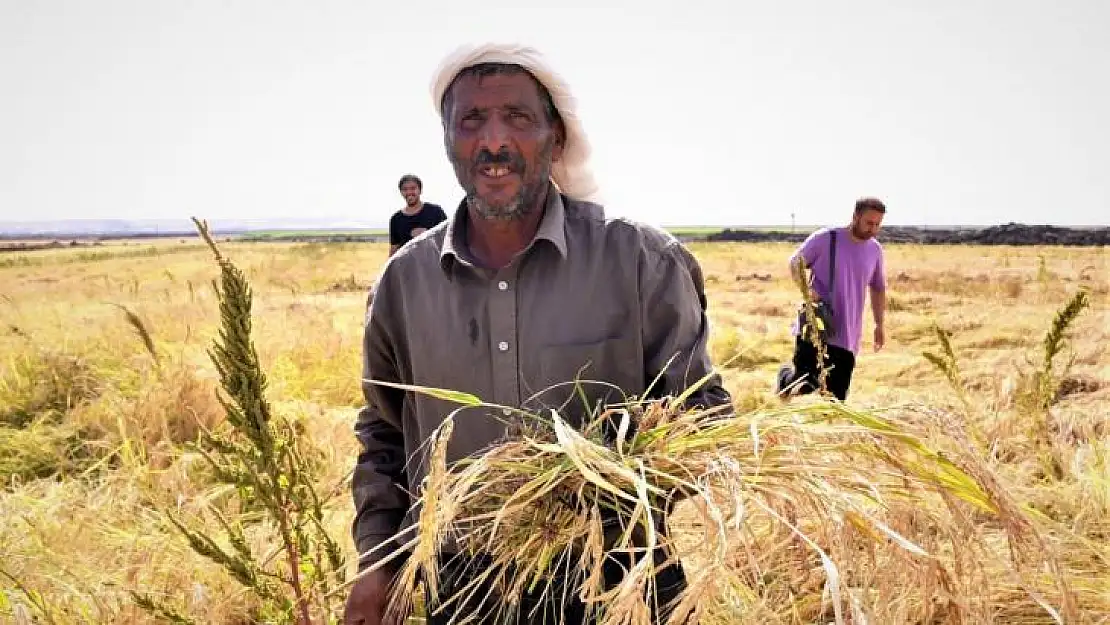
415, 217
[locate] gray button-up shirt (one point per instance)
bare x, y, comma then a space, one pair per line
609, 302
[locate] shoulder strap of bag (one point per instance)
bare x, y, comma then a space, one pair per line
832, 260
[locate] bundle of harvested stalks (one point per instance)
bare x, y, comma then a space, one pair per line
807, 513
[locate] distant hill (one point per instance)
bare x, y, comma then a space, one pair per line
84, 228
1007, 234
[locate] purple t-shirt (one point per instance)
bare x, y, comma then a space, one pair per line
859, 264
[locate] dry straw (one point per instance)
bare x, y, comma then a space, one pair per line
815, 512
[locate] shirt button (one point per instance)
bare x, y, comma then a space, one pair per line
503, 346
504, 286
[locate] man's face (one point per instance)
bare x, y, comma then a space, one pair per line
501, 143
866, 224
411, 192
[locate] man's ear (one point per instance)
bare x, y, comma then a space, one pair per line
560, 141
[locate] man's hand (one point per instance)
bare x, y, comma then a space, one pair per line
880, 337
366, 605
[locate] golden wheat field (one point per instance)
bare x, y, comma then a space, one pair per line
96, 418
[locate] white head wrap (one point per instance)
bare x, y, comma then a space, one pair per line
571, 174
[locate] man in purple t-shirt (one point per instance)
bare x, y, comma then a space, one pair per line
858, 267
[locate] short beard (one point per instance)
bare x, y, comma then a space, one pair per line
526, 201
523, 203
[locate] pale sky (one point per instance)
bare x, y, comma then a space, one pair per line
716, 113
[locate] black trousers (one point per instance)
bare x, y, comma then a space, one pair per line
552, 601
839, 361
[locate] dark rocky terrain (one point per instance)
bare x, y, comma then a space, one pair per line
1007, 234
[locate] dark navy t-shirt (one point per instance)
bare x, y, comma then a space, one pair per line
401, 226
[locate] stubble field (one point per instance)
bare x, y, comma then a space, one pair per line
94, 424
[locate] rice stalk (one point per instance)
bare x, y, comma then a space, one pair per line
1053, 344
160, 609
35, 598
813, 326
141, 329
804, 513
1040, 387
39, 450
947, 362
274, 470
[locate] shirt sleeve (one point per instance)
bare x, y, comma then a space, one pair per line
676, 329
878, 275
379, 481
395, 237
810, 249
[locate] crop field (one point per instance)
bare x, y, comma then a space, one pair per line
107, 384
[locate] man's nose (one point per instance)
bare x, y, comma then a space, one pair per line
495, 135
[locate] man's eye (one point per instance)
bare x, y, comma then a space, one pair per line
520, 120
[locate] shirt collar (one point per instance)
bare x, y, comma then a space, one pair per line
552, 229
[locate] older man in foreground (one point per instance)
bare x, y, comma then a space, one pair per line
527, 286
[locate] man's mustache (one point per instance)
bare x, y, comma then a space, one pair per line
514, 162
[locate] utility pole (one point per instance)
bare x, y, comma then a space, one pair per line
791, 222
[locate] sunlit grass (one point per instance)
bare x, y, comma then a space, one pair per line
799, 514
92, 428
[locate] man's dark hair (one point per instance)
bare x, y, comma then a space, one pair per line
870, 204
482, 70
410, 178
